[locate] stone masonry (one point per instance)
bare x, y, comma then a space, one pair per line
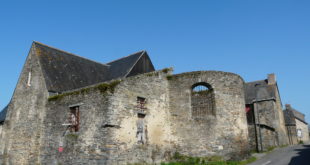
71, 110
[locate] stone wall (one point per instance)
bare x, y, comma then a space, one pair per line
252, 137
156, 135
222, 133
280, 125
20, 141
265, 113
292, 134
304, 130
269, 138
144, 118
108, 124
91, 143
272, 130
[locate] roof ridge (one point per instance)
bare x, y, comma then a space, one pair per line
141, 51
39, 43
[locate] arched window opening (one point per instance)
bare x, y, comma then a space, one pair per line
200, 89
202, 101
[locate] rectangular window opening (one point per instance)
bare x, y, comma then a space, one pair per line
141, 103
74, 119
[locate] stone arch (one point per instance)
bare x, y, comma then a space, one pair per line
202, 100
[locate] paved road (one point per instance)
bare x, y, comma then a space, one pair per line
292, 155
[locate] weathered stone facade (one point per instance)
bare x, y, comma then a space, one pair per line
125, 112
296, 125
108, 121
265, 115
22, 128
304, 131
222, 132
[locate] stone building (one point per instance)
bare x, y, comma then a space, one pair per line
297, 127
70, 110
264, 114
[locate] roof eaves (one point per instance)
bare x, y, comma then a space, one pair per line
301, 120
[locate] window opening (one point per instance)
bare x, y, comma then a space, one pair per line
141, 129
141, 103
200, 88
74, 119
202, 101
141, 125
249, 109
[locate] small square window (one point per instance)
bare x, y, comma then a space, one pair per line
141, 103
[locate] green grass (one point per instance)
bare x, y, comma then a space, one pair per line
197, 161
72, 137
213, 160
269, 149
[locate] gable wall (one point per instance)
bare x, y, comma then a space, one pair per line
22, 128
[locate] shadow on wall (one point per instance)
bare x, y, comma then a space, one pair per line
303, 156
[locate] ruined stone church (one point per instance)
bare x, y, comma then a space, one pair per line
70, 110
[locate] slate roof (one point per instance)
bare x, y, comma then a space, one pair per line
289, 117
65, 71
259, 90
296, 114
3, 114
121, 67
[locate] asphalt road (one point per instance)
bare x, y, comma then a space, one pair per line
292, 155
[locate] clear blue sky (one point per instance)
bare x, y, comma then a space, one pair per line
249, 37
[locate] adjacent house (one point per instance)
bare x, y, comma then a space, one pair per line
296, 125
264, 114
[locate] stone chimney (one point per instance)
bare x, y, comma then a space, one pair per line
271, 79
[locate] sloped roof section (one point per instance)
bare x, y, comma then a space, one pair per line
259, 90
122, 67
143, 65
65, 71
289, 117
3, 114
298, 115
